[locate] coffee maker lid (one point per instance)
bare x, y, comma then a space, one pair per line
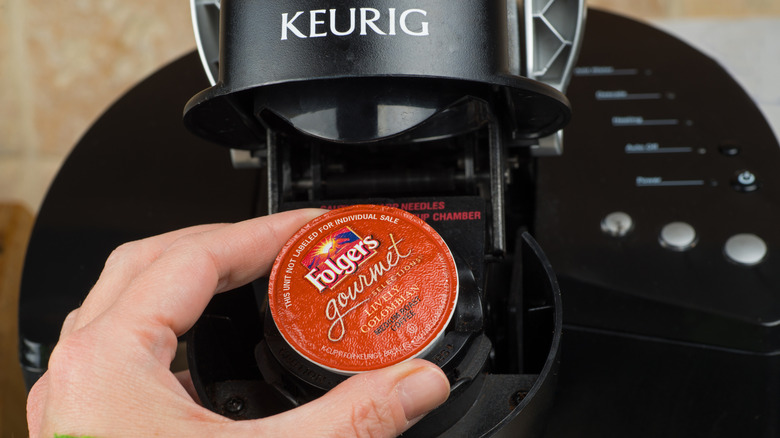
355, 74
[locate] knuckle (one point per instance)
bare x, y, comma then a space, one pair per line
122, 253
70, 322
190, 244
72, 316
71, 350
38, 391
270, 231
199, 256
370, 418
158, 341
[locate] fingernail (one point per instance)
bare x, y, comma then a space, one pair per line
422, 391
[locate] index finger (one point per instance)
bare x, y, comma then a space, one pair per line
122, 266
173, 291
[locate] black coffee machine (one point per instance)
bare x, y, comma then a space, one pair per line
625, 287
419, 105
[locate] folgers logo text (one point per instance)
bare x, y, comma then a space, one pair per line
337, 256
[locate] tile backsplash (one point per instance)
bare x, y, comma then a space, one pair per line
61, 65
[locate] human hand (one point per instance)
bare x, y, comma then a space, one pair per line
110, 372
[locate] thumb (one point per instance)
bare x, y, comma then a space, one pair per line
382, 403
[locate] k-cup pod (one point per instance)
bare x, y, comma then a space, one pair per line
363, 287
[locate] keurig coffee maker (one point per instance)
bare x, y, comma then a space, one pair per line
608, 193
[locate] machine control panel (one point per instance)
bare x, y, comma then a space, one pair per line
666, 193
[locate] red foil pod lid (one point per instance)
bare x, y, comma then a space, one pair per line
363, 287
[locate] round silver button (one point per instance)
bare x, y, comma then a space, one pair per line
745, 249
617, 224
678, 236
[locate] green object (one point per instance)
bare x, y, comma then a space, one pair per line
56, 435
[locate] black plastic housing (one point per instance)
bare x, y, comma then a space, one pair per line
376, 71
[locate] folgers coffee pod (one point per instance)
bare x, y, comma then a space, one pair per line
363, 287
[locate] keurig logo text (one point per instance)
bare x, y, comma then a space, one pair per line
325, 22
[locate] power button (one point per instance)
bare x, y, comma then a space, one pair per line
745, 181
